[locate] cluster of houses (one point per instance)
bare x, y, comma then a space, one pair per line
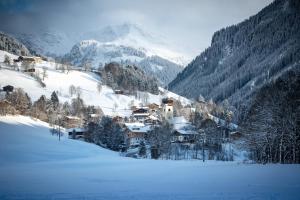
141, 121
144, 119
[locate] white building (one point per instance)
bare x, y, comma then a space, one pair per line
168, 111
135, 133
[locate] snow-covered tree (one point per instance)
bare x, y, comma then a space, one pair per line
72, 90
54, 100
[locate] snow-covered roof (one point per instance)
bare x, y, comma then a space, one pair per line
182, 126
179, 122
73, 117
152, 117
94, 115
137, 127
140, 114
187, 132
142, 107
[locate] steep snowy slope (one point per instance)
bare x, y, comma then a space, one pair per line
48, 42
97, 54
244, 57
35, 165
61, 81
3, 53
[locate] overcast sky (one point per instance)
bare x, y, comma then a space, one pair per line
190, 23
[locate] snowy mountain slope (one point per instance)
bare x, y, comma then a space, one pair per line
61, 81
244, 57
35, 165
127, 43
10, 55
55, 42
48, 42
100, 53
97, 54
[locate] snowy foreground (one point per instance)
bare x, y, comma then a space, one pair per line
35, 165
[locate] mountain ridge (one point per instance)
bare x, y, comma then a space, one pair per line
244, 57
97, 54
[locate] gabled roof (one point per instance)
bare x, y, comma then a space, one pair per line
137, 127
182, 126
186, 132
72, 117
141, 114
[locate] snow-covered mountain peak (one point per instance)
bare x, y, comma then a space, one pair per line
54, 42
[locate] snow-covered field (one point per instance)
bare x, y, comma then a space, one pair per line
35, 165
87, 81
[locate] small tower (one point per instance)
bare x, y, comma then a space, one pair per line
167, 108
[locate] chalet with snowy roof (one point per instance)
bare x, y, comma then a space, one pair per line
153, 107
72, 122
29, 59
184, 131
152, 120
184, 136
135, 133
141, 114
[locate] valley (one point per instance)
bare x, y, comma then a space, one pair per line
121, 100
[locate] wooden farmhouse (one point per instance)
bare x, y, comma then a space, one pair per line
141, 114
29, 59
72, 122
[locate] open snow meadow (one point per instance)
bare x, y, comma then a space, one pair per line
35, 165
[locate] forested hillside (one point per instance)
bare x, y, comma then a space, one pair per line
128, 78
244, 57
11, 45
272, 123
